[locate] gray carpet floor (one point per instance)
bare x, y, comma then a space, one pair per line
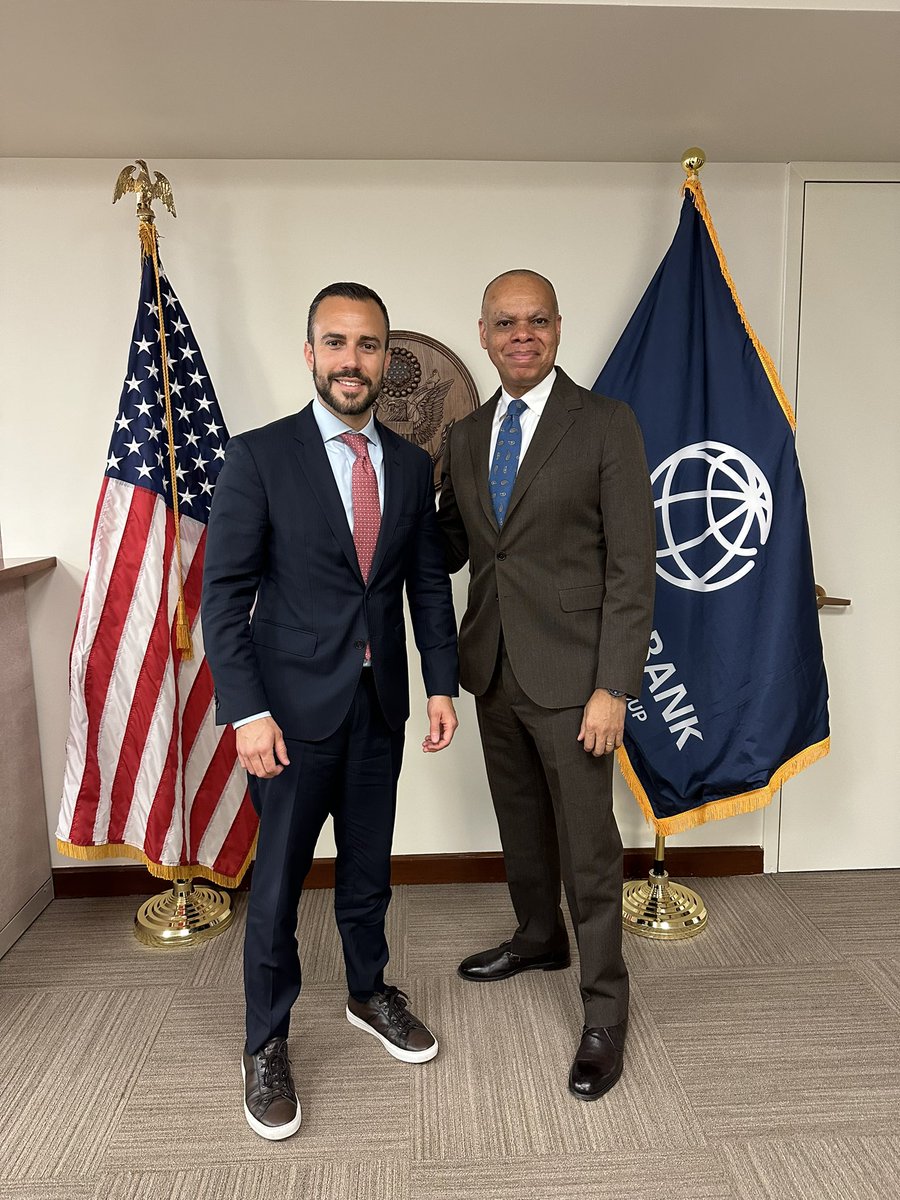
763, 1060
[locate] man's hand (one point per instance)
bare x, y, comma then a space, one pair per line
261, 748
442, 722
603, 723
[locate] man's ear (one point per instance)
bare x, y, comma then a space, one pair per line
481, 334
308, 355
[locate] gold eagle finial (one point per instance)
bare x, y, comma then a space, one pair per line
147, 190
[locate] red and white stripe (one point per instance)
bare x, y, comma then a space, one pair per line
146, 766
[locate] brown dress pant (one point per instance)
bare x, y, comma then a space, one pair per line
554, 807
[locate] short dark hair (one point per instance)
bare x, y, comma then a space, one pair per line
522, 271
347, 291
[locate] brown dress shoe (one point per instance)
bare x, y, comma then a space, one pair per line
598, 1061
500, 962
386, 1016
270, 1099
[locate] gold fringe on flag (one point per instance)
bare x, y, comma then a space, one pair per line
728, 806
122, 849
692, 185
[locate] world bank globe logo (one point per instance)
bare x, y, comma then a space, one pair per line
714, 514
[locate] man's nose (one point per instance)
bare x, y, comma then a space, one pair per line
522, 333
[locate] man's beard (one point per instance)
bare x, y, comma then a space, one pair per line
354, 406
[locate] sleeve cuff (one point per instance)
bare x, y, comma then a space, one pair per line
247, 720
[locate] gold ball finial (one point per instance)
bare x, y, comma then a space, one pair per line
693, 159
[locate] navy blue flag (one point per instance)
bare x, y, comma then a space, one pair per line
735, 697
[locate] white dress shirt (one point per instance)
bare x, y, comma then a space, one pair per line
341, 458
535, 401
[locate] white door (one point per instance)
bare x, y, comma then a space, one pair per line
844, 812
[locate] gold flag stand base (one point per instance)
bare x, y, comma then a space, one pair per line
656, 908
183, 916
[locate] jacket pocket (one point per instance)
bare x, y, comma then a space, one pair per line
580, 598
284, 637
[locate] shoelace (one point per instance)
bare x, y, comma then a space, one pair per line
274, 1072
396, 1009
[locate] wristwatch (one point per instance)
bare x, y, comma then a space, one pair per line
616, 695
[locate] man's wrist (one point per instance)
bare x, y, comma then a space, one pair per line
246, 720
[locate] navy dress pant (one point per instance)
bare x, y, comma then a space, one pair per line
353, 776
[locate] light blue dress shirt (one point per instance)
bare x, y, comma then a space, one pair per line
341, 457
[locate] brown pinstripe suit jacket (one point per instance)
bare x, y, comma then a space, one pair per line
570, 577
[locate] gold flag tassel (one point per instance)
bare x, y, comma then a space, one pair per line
149, 249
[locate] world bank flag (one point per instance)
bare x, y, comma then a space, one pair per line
735, 698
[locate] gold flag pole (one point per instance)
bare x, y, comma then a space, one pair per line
147, 191
655, 907
186, 914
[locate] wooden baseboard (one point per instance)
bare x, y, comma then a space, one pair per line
75, 883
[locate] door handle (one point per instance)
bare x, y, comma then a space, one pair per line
822, 598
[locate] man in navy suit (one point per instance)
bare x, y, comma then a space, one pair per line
319, 522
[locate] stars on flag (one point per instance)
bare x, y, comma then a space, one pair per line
139, 451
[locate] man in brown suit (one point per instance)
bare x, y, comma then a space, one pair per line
546, 494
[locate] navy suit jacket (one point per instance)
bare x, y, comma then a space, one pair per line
278, 536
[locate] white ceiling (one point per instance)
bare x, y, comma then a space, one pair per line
367, 79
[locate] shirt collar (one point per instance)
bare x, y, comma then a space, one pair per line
535, 399
331, 426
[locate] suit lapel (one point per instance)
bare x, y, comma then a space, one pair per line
555, 421
393, 496
313, 459
482, 421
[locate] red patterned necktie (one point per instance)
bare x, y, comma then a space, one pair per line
366, 505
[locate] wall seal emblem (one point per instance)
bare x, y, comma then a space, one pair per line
426, 389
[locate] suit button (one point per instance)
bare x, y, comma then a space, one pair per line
501, 555
359, 645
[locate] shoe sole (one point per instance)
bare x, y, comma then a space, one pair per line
409, 1056
272, 1133
563, 966
596, 1095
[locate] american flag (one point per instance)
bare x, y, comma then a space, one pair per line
148, 774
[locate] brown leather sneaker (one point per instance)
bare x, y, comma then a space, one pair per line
270, 1100
386, 1015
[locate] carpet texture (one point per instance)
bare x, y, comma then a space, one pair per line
763, 1060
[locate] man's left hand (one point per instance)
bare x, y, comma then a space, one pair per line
442, 722
603, 723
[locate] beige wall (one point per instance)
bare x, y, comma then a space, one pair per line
252, 243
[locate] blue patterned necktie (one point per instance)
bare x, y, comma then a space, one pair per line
506, 459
